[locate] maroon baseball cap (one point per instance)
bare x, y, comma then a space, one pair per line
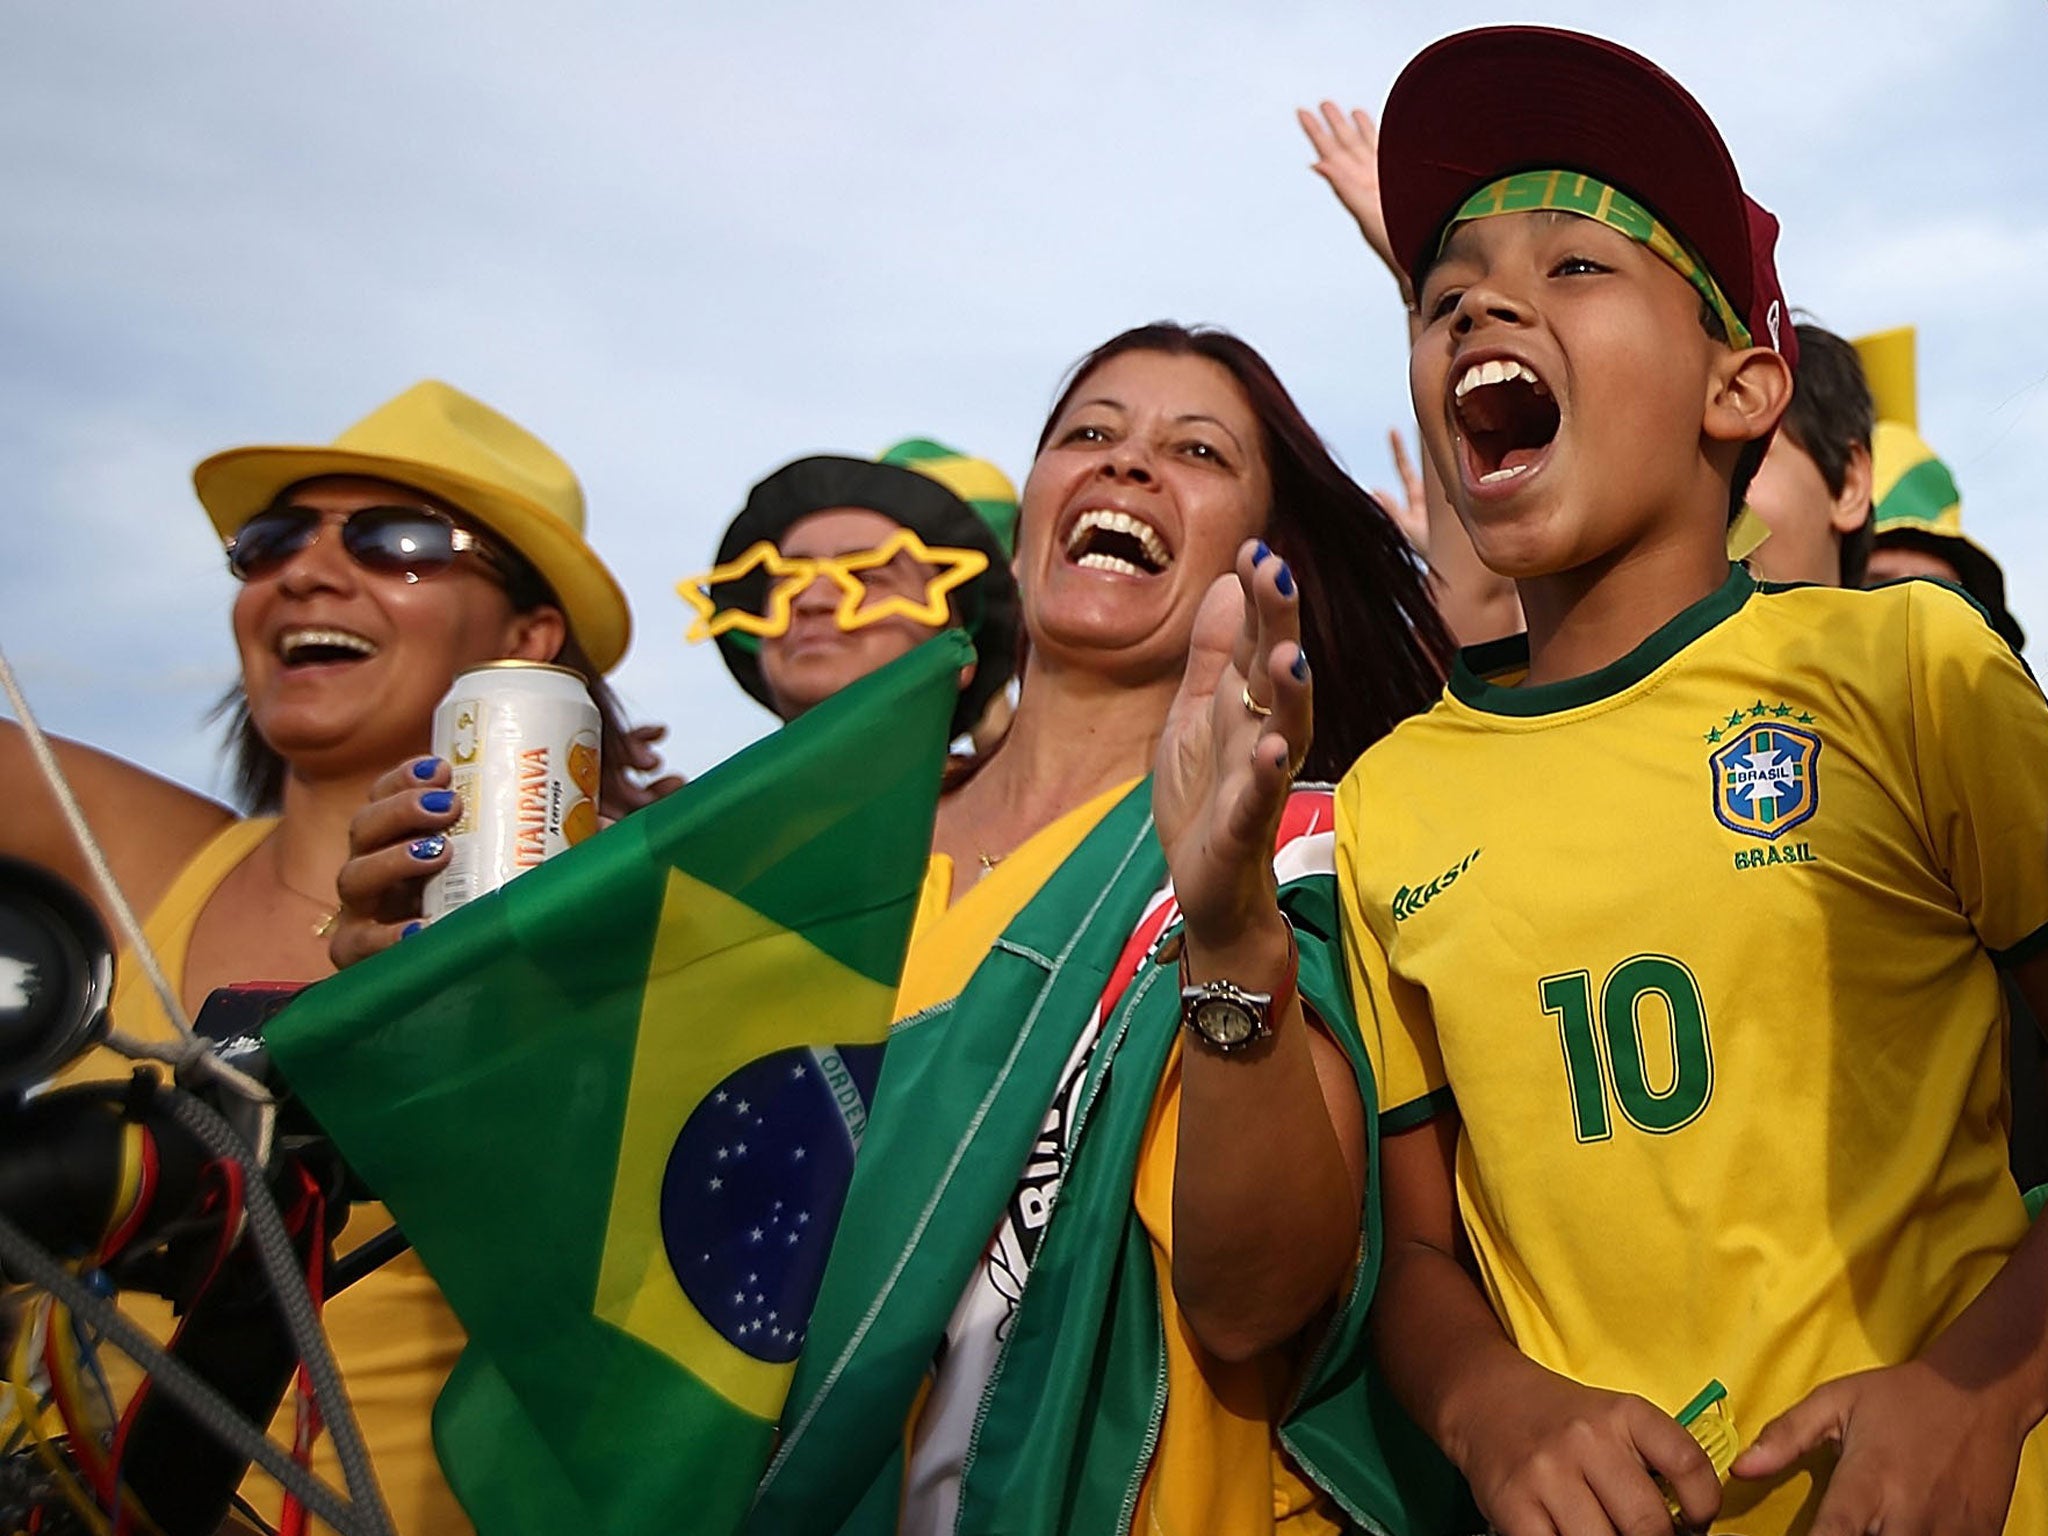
1485, 104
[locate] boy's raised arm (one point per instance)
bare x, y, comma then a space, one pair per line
1541, 1452
1477, 604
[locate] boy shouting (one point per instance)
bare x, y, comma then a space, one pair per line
1679, 921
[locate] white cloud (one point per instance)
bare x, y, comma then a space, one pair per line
686, 244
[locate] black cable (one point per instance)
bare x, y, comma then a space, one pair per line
248, 1514
366, 1258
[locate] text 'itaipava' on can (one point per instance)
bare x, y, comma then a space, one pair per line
521, 741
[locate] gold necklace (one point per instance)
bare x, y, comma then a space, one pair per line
329, 915
989, 860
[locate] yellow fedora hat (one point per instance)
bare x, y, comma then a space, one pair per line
436, 439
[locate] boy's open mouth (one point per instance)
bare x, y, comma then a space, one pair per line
1507, 417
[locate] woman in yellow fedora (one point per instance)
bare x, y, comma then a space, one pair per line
433, 535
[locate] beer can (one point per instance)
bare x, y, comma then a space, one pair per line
521, 741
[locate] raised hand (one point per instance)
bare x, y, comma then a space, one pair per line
1235, 734
1269, 1175
1347, 149
627, 785
394, 843
1410, 509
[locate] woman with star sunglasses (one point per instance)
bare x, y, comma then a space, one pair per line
431, 537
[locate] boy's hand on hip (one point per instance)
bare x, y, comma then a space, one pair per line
1551, 1456
1919, 1453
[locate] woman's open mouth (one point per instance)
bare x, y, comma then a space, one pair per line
1103, 539
1507, 420
307, 646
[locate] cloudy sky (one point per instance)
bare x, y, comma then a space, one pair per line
685, 243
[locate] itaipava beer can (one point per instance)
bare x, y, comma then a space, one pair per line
521, 741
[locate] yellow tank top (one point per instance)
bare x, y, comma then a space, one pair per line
394, 1337
168, 928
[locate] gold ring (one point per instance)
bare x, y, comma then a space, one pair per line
1252, 704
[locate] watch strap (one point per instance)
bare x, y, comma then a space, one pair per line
1276, 1003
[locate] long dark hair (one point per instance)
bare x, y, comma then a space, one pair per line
1371, 631
257, 771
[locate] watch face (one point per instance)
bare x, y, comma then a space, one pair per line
1224, 1022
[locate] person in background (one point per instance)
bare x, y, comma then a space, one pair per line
1477, 605
843, 520
1812, 492
1918, 524
433, 535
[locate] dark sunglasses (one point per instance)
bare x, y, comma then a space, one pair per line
393, 541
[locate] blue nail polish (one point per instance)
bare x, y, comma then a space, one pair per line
425, 767
410, 929
428, 847
1260, 552
1300, 667
438, 801
1285, 580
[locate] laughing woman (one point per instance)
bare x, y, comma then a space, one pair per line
432, 536
1109, 1242
1097, 1271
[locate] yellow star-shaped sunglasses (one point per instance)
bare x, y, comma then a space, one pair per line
787, 575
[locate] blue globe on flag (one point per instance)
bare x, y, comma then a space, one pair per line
751, 1194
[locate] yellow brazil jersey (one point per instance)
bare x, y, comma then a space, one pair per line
1701, 946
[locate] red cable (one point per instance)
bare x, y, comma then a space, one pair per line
145, 1197
306, 1427
226, 1196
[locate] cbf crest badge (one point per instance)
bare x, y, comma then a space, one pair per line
1765, 780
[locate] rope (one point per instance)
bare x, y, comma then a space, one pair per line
103, 875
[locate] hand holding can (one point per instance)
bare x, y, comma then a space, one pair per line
522, 739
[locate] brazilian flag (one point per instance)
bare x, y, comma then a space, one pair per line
615, 1106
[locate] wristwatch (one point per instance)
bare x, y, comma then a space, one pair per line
1224, 1016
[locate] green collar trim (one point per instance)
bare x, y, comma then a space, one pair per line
1469, 683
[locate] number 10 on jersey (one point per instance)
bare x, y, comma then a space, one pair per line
1605, 1062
